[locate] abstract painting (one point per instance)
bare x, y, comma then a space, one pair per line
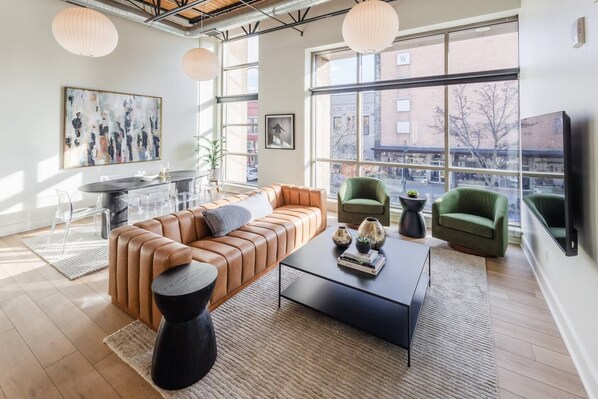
280, 131
105, 128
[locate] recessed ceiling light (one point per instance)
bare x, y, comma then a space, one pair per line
483, 29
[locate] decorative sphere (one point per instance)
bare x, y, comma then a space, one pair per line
201, 64
370, 26
83, 31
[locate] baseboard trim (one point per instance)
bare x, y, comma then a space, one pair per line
22, 227
588, 375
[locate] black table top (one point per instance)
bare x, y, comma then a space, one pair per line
408, 198
396, 281
184, 279
134, 183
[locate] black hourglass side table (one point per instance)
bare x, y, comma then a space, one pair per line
185, 348
412, 222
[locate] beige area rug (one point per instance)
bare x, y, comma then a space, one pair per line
85, 251
295, 352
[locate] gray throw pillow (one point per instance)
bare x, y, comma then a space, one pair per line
225, 219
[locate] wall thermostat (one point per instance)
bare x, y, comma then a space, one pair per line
578, 32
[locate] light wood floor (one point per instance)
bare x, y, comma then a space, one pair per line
51, 332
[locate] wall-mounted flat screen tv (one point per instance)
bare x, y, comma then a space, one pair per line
547, 175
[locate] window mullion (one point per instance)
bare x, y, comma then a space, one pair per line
358, 131
447, 162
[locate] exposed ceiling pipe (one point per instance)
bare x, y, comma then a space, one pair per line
244, 16
130, 13
234, 19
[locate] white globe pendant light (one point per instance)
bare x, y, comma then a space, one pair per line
201, 64
83, 31
370, 26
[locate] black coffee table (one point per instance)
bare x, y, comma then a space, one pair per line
387, 305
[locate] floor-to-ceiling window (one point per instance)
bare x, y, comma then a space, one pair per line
433, 112
239, 110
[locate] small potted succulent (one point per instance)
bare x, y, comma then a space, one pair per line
412, 193
363, 244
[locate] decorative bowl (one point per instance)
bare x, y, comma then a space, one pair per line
147, 177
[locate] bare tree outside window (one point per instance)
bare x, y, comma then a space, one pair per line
342, 139
483, 122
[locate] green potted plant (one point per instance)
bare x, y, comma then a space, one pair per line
213, 152
363, 244
412, 193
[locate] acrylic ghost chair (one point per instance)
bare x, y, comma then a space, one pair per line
66, 214
194, 194
144, 204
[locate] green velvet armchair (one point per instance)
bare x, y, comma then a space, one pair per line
473, 218
550, 210
362, 197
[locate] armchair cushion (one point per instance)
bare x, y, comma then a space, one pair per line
477, 225
363, 205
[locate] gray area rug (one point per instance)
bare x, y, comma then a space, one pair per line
298, 353
85, 252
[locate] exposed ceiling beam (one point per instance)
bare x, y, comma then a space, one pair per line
175, 11
270, 16
219, 11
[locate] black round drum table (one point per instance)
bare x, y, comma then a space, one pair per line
412, 222
185, 349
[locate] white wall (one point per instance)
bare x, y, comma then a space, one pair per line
284, 70
34, 69
555, 77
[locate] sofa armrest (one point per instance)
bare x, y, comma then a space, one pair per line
316, 197
136, 258
501, 210
344, 192
501, 220
382, 195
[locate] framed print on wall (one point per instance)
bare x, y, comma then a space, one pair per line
106, 128
280, 131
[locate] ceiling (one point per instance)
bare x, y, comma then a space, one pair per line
186, 13
195, 18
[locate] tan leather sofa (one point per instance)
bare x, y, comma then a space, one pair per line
140, 252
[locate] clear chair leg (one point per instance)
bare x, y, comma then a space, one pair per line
97, 224
66, 233
51, 232
106, 214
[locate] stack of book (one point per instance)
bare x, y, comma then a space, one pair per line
370, 263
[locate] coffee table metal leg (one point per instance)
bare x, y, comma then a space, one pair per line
429, 268
279, 284
408, 336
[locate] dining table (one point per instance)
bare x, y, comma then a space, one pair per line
114, 192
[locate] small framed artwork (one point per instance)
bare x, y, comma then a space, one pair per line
280, 131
